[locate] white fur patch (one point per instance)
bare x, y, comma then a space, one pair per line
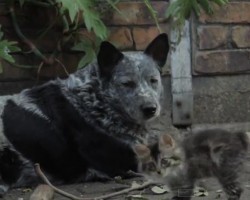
4, 188
3, 139
25, 102
72, 82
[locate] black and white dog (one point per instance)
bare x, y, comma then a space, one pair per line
88, 120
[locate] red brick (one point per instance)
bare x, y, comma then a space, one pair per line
143, 36
234, 12
241, 36
211, 37
135, 13
222, 62
121, 38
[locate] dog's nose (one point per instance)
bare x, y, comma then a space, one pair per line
149, 111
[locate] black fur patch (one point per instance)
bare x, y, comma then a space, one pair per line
65, 145
10, 166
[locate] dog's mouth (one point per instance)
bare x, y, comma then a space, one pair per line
149, 115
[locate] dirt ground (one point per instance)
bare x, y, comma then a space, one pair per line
98, 188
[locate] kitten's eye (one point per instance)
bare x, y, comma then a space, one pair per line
129, 84
151, 166
165, 163
175, 157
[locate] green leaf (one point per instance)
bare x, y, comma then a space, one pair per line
220, 2
196, 7
153, 13
91, 18
1, 35
89, 51
21, 2
6, 48
206, 6
1, 67
93, 22
85, 60
112, 4
71, 6
180, 10
172, 9
5, 55
12, 47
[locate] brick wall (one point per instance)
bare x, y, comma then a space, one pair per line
138, 28
221, 42
221, 65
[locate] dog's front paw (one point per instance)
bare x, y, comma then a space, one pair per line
3, 190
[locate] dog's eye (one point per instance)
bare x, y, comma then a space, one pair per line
153, 80
130, 84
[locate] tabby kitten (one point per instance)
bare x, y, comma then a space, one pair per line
207, 153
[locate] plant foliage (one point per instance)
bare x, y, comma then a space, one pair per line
85, 9
7, 47
179, 10
75, 14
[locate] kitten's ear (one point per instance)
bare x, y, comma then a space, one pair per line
158, 49
107, 58
166, 142
142, 151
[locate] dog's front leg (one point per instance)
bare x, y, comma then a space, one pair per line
106, 153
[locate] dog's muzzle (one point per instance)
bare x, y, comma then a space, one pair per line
148, 111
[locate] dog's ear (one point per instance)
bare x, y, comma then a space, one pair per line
107, 58
158, 49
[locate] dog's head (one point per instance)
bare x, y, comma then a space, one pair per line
133, 80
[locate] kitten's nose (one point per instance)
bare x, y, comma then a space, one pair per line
159, 172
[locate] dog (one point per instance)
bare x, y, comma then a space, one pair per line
86, 121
